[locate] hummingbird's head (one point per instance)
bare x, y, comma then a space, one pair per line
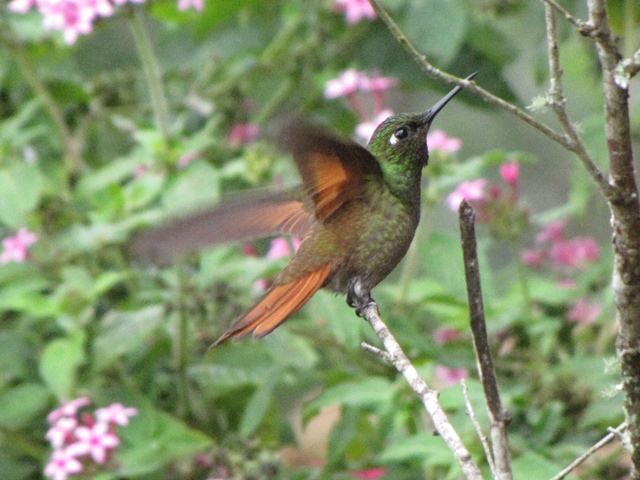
402, 139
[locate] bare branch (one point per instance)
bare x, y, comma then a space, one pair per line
597, 446
499, 417
476, 425
376, 351
428, 396
625, 222
434, 72
583, 27
557, 102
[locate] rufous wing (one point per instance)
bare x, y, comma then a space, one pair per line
333, 169
277, 305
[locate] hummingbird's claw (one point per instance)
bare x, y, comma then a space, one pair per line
358, 298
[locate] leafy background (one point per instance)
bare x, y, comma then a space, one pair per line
81, 317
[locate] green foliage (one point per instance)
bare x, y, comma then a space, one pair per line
82, 316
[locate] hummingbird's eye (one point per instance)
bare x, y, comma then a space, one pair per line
400, 134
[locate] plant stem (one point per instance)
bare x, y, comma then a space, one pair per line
522, 277
70, 144
152, 72
20, 442
181, 346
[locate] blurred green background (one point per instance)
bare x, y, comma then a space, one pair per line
86, 161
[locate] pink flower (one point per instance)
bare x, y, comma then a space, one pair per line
140, 170
450, 376
370, 474
470, 190
62, 465
574, 253
280, 247
61, 431
185, 159
97, 441
195, 4
116, 413
567, 283
510, 172
242, 133
440, 141
21, 6
445, 335
553, 232
365, 130
377, 83
583, 312
69, 409
346, 83
533, 257
355, 10
16, 248
261, 285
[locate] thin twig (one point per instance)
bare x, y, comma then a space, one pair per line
376, 351
582, 26
476, 425
558, 102
434, 72
428, 396
597, 446
498, 416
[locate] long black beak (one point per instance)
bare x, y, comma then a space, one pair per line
430, 114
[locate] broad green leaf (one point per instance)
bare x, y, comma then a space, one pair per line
258, 405
125, 332
21, 404
368, 392
427, 447
20, 189
59, 363
437, 27
155, 439
532, 466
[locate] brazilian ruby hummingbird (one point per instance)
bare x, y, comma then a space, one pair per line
356, 211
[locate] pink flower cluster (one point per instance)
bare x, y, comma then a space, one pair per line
477, 191
16, 247
563, 253
351, 82
82, 438
355, 10
76, 17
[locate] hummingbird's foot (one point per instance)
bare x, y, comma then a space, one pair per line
358, 297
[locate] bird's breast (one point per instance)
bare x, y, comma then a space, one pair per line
377, 231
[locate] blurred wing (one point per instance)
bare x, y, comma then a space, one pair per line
247, 216
332, 168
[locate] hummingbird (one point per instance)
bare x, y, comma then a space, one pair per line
356, 211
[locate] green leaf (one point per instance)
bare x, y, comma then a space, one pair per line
20, 189
258, 405
124, 332
22, 404
367, 392
155, 439
532, 466
59, 362
429, 448
437, 27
